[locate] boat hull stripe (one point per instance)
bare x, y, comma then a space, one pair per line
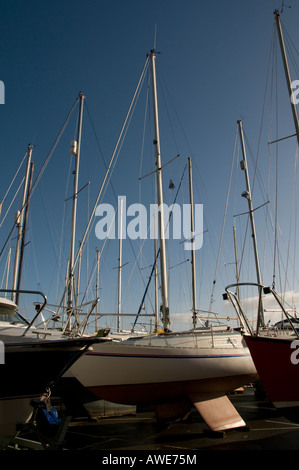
154, 356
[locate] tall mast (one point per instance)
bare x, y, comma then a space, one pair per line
20, 224
97, 284
7, 269
165, 306
24, 233
76, 152
193, 247
247, 194
156, 275
78, 276
287, 72
120, 224
236, 262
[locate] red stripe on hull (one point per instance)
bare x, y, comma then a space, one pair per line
157, 393
278, 374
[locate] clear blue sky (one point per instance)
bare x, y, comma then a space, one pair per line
213, 65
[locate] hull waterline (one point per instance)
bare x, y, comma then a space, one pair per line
165, 369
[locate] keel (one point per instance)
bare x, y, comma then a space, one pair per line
217, 411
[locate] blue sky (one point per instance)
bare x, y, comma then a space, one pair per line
212, 70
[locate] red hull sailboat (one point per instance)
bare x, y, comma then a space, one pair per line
276, 361
274, 349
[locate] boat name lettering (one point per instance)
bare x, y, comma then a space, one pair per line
295, 354
138, 226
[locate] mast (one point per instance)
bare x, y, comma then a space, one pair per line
19, 222
193, 250
165, 307
120, 224
7, 269
247, 195
78, 276
97, 284
287, 72
236, 261
156, 276
24, 233
76, 152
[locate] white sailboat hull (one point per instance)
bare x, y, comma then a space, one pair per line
162, 368
13, 412
32, 364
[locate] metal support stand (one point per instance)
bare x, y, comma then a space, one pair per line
46, 435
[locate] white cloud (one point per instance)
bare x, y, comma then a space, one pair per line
272, 310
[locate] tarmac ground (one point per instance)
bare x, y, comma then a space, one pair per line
266, 430
136, 439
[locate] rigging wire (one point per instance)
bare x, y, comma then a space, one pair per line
223, 225
158, 253
111, 165
270, 73
109, 181
12, 201
61, 276
278, 260
53, 147
276, 181
147, 120
42, 169
291, 220
9, 187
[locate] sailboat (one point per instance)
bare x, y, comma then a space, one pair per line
32, 359
274, 348
172, 370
